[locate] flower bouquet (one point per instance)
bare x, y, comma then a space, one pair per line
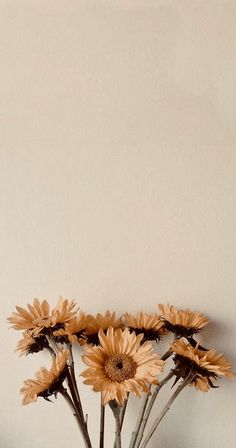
121, 358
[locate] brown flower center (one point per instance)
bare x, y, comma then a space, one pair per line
120, 368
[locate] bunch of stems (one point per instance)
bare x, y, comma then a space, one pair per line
137, 439
73, 398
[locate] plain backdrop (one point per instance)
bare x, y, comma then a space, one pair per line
117, 188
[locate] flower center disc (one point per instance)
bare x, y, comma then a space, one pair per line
120, 368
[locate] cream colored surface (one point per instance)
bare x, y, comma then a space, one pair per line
118, 163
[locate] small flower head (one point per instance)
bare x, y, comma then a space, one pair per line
38, 319
150, 325
47, 382
206, 366
100, 322
73, 331
28, 344
182, 322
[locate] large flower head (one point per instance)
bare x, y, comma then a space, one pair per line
182, 322
120, 364
100, 322
38, 318
206, 366
47, 382
73, 331
151, 325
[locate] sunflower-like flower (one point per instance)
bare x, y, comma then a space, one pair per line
38, 319
205, 366
73, 331
120, 364
47, 382
99, 322
151, 325
182, 322
28, 344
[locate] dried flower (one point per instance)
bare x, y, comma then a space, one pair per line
150, 325
28, 344
100, 322
73, 331
182, 322
38, 318
205, 365
47, 382
121, 365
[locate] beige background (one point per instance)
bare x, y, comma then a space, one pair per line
118, 185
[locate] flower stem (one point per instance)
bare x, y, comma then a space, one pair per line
139, 420
118, 433
122, 414
166, 409
115, 407
72, 406
140, 424
102, 424
52, 344
146, 415
51, 351
167, 354
123, 411
71, 379
78, 407
74, 382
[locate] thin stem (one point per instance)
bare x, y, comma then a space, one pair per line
150, 406
115, 407
123, 411
122, 414
52, 344
167, 354
118, 433
139, 420
71, 379
78, 406
74, 382
166, 409
51, 351
139, 427
72, 406
102, 424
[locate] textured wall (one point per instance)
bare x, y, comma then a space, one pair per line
118, 188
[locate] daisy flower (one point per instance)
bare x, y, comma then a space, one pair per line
120, 364
38, 318
206, 366
182, 322
151, 325
47, 382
